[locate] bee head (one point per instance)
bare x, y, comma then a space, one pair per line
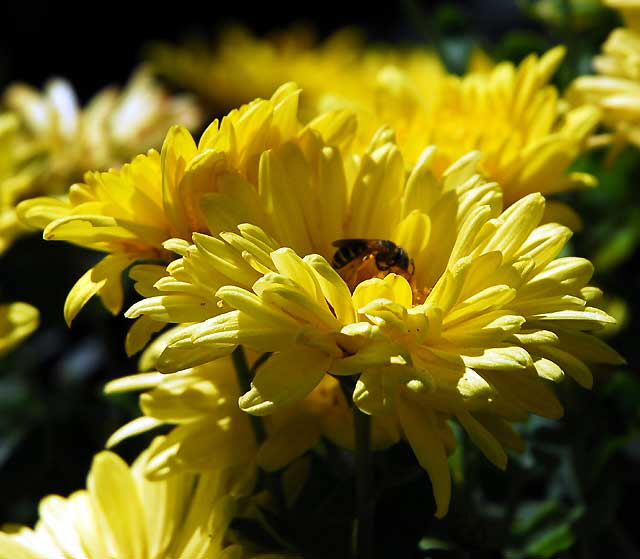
400, 258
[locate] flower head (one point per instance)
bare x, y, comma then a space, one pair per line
242, 66
129, 213
113, 126
616, 90
121, 515
511, 114
17, 321
63, 141
486, 316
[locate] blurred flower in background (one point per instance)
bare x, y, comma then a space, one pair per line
17, 321
241, 66
510, 113
53, 141
616, 90
630, 11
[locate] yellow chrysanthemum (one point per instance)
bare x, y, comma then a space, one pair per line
211, 430
511, 114
129, 213
617, 89
20, 161
242, 67
64, 141
122, 515
306, 197
17, 321
487, 316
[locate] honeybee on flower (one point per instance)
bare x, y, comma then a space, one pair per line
468, 320
501, 315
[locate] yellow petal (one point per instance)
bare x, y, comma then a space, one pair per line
131, 429
420, 428
333, 288
114, 493
570, 364
104, 279
547, 369
140, 381
140, 333
39, 212
518, 223
178, 149
289, 442
337, 128
289, 264
284, 379
392, 287
173, 308
483, 439
17, 321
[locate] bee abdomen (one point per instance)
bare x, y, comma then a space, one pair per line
349, 252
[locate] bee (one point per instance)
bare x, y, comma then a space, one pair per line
359, 259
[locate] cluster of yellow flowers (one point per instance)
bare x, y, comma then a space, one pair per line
377, 238
47, 142
616, 90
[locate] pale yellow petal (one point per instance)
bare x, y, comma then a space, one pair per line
105, 280
420, 428
116, 499
284, 379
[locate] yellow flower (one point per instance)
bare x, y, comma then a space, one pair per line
629, 9
20, 162
121, 515
511, 114
305, 200
211, 430
113, 126
242, 67
129, 213
17, 321
472, 330
616, 91
68, 140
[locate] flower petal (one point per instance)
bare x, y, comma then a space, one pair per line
284, 379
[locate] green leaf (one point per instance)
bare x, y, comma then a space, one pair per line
551, 541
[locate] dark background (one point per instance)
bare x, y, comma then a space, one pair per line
98, 43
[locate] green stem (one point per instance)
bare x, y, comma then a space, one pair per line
244, 381
245, 375
365, 491
364, 485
